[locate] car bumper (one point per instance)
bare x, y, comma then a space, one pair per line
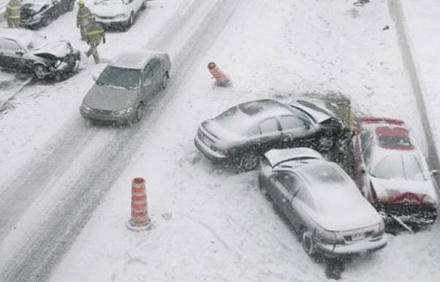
104, 116
348, 250
112, 22
209, 152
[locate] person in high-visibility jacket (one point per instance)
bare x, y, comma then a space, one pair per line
82, 18
12, 14
94, 34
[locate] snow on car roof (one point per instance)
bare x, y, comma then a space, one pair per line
135, 59
24, 36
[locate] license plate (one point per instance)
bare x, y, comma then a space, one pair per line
358, 236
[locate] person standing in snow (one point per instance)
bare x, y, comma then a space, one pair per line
82, 18
12, 14
94, 34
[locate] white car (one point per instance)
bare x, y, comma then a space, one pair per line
117, 13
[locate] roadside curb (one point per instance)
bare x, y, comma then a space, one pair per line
9, 96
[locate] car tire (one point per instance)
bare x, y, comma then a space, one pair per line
39, 71
164, 81
46, 20
325, 143
249, 161
307, 243
139, 113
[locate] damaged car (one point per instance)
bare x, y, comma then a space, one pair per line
241, 134
38, 13
393, 174
26, 51
321, 202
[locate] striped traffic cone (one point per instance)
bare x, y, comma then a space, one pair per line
219, 76
139, 209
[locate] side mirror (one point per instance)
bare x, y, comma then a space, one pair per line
20, 52
435, 172
95, 77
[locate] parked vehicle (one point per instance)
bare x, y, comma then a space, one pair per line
125, 86
392, 173
38, 13
30, 52
323, 204
117, 13
241, 134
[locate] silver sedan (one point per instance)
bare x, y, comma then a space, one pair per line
125, 86
323, 204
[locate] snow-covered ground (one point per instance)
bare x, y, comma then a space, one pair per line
209, 223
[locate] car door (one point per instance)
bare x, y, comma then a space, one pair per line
157, 69
278, 182
10, 53
268, 137
147, 82
362, 153
295, 131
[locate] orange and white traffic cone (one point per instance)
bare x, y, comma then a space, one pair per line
139, 209
219, 76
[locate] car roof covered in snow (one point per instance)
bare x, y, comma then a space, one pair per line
135, 59
24, 36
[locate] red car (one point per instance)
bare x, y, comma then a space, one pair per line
392, 173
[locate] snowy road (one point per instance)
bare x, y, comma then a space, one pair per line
64, 185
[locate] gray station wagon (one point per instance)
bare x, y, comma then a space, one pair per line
125, 86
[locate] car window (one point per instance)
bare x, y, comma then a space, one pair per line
269, 125
120, 77
9, 45
304, 196
367, 150
407, 167
147, 73
155, 65
288, 181
291, 122
364, 136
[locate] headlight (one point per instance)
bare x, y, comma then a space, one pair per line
123, 112
85, 108
121, 16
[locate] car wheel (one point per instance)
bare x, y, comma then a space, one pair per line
307, 243
325, 143
46, 20
40, 71
249, 161
144, 5
139, 113
164, 81
262, 185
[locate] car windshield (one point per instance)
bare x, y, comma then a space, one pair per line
323, 174
120, 77
406, 167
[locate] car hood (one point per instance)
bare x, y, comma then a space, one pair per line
110, 98
398, 191
318, 113
34, 8
108, 8
344, 211
59, 49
